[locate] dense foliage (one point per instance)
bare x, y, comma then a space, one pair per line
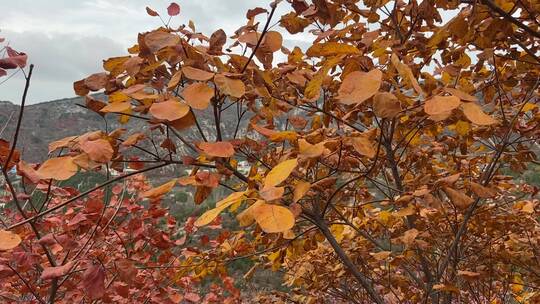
384, 162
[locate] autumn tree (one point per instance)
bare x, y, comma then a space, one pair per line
384, 160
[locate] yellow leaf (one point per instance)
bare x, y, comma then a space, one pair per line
207, 217
359, 86
273, 218
474, 114
308, 150
331, 49
245, 218
280, 172
313, 87
529, 106
8, 240
406, 73
462, 127
300, 190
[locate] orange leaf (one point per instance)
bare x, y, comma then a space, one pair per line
160, 190
438, 105
196, 74
458, 198
474, 114
273, 218
119, 107
359, 86
198, 95
229, 86
8, 240
99, 150
170, 110
60, 168
217, 149
364, 146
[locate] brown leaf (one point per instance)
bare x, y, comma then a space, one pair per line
217, 41
458, 198
386, 105
461, 95
158, 39
126, 270
482, 191
409, 236
96, 82
5, 149
364, 146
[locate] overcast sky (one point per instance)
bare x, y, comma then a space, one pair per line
67, 40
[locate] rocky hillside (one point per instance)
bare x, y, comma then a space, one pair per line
52, 120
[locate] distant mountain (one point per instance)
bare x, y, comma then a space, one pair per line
48, 121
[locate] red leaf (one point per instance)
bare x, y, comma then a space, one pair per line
55, 272
7, 63
173, 9
93, 281
17, 58
192, 297
3, 72
151, 12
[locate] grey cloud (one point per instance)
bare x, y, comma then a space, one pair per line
59, 60
68, 39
